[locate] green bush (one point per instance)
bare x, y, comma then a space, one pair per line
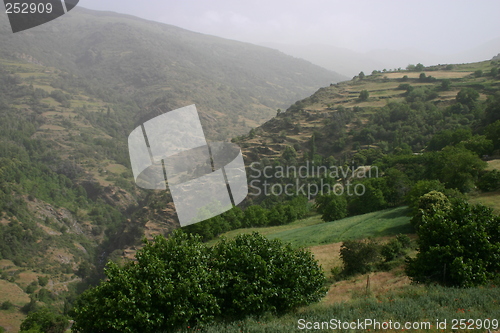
459, 246
43, 280
332, 207
395, 248
489, 181
259, 275
428, 204
7, 305
359, 256
363, 95
44, 320
30, 289
180, 281
391, 250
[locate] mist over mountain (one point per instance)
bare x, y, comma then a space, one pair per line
350, 63
161, 67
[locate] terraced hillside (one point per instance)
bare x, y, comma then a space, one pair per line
397, 111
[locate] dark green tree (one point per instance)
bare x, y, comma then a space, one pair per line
359, 256
492, 111
492, 132
467, 96
459, 168
180, 281
446, 84
494, 72
260, 275
363, 95
457, 247
332, 207
44, 321
171, 285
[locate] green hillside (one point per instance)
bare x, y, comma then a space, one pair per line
405, 107
71, 92
156, 67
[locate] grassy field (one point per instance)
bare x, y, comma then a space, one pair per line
490, 199
414, 304
387, 222
313, 231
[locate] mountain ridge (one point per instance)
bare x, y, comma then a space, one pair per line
127, 58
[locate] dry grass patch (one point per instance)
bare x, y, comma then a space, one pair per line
380, 283
13, 293
11, 321
490, 199
328, 256
25, 278
116, 168
493, 164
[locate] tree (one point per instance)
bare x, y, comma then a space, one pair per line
170, 285
410, 67
372, 198
363, 95
492, 111
180, 281
446, 84
478, 144
467, 96
332, 207
478, 73
44, 321
255, 216
490, 181
289, 156
428, 204
494, 72
457, 247
259, 275
361, 75
492, 132
459, 168
359, 256
419, 67
419, 189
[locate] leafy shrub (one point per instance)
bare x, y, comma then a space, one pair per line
7, 305
44, 321
332, 207
359, 256
43, 280
489, 181
179, 282
259, 275
457, 247
428, 204
395, 247
363, 95
30, 289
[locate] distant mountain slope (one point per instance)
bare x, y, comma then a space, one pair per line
122, 57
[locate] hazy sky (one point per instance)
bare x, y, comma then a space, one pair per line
437, 26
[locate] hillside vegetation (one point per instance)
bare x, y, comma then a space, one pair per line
156, 67
71, 92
